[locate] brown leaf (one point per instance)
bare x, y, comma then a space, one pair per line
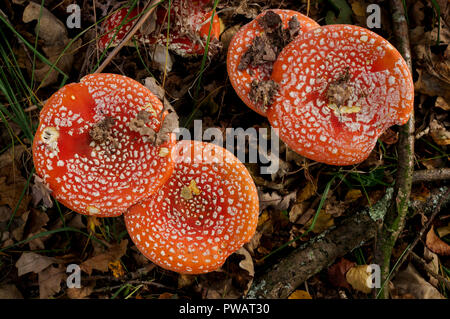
32, 262
53, 34
435, 244
389, 137
10, 292
307, 192
323, 222
50, 281
439, 133
80, 293
41, 192
247, 265
336, 273
275, 200
441, 103
101, 261
409, 282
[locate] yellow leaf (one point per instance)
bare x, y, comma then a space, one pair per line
116, 268
358, 278
263, 218
300, 294
323, 222
193, 187
92, 222
443, 231
359, 8
353, 195
306, 193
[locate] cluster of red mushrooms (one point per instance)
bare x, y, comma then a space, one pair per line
330, 91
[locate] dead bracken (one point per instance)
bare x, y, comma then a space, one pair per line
101, 131
255, 48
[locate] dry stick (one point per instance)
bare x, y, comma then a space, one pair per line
137, 25
427, 175
394, 220
436, 209
439, 277
284, 277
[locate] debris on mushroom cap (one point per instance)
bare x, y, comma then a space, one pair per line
341, 86
88, 155
206, 211
254, 49
188, 30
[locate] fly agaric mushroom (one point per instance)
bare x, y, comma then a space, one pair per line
206, 211
188, 30
341, 86
254, 49
95, 145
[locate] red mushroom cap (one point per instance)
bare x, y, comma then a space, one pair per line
93, 145
241, 79
341, 86
206, 211
110, 25
189, 27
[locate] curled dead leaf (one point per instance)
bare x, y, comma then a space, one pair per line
435, 244
102, 261
337, 272
358, 277
409, 283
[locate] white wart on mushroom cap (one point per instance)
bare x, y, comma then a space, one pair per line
206, 211
94, 148
341, 86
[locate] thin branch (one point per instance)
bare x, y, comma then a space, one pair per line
281, 279
394, 220
151, 6
439, 277
429, 175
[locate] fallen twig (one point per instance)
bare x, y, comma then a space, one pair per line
436, 206
148, 9
280, 280
441, 278
394, 220
428, 175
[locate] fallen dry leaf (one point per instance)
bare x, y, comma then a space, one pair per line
358, 277
323, 222
32, 262
247, 265
300, 294
444, 230
50, 281
409, 282
337, 272
10, 292
101, 262
441, 103
41, 192
307, 192
275, 200
80, 293
53, 34
439, 133
435, 244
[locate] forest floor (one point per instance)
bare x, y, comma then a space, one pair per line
40, 238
